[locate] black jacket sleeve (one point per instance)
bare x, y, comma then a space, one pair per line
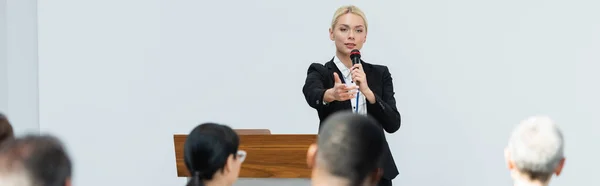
384, 109
314, 88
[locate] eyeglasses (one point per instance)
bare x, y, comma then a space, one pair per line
241, 155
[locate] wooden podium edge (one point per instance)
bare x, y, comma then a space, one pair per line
269, 155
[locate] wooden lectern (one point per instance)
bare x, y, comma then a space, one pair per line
269, 155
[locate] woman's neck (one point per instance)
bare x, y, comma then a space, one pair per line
324, 178
345, 59
529, 183
216, 182
523, 180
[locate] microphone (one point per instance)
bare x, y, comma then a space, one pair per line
355, 56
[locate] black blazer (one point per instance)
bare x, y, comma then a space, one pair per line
320, 78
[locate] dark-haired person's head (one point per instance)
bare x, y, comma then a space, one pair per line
348, 151
35, 160
211, 155
6, 129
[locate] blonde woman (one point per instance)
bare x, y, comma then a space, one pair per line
364, 88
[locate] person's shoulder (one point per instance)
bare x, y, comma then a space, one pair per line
322, 63
316, 66
319, 66
375, 67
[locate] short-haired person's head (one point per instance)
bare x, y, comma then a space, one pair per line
349, 147
40, 159
6, 129
211, 155
535, 150
348, 29
13, 173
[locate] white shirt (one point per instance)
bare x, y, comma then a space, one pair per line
362, 102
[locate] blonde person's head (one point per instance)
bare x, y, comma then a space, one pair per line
348, 30
348, 9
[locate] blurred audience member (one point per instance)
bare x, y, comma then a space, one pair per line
6, 129
212, 156
34, 160
348, 151
535, 152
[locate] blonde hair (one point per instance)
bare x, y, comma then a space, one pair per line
348, 9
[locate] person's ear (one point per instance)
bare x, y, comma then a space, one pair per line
331, 34
375, 176
311, 155
509, 163
230, 163
68, 182
560, 166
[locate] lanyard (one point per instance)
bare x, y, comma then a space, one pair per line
357, 96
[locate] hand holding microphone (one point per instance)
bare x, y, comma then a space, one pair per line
343, 92
358, 74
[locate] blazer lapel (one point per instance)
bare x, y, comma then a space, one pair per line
333, 68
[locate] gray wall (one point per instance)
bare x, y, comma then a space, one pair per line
117, 78
3, 62
18, 64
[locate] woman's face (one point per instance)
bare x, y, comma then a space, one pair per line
349, 33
